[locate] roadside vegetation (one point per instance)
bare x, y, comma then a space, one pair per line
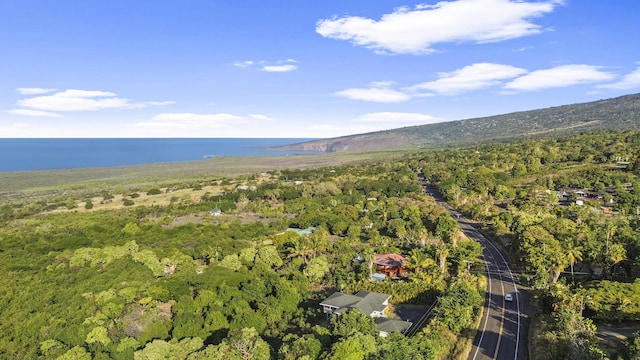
567, 211
201, 266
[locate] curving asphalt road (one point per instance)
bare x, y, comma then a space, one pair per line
502, 333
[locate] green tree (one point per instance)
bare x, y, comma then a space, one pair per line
318, 241
631, 346
131, 229
270, 256
75, 353
351, 322
397, 346
249, 344
98, 335
300, 248
294, 347
317, 268
459, 305
573, 254
231, 262
442, 252
160, 349
420, 260
51, 347
248, 255
467, 253
355, 347
542, 253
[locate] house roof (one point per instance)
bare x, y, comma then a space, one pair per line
302, 232
390, 325
366, 302
393, 260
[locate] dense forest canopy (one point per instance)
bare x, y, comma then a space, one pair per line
206, 269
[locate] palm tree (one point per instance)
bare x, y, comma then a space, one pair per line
609, 230
573, 253
442, 252
300, 248
616, 254
369, 256
318, 241
419, 260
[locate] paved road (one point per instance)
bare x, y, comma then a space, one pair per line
502, 334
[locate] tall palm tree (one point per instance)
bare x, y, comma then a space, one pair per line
318, 241
573, 253
616, 254
300, 248
419, 260
442, 252
609, 230
369, 256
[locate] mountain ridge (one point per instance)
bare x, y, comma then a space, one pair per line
619, 113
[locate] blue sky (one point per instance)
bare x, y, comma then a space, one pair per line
291, 68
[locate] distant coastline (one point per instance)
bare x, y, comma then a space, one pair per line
50, 154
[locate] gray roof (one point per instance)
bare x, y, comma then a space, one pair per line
365, 301
390, 325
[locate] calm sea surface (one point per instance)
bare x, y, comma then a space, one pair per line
44, 154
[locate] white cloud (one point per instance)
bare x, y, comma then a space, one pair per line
397, 117
471, 77
194, 122
628, 82
261, 117
159, 103
270, 66
279, 68
561, 76
76, 100
416, 31
34, 91
243, 64
377, 92
27, 112
81, 100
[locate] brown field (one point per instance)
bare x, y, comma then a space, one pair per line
35, 185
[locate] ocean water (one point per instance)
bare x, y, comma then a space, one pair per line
45, 154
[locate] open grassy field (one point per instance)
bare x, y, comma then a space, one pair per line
30, 183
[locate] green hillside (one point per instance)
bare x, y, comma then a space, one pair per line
621, 113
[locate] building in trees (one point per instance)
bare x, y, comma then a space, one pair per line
369, 303
392, 265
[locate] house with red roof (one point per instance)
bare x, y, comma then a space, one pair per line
392, 265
